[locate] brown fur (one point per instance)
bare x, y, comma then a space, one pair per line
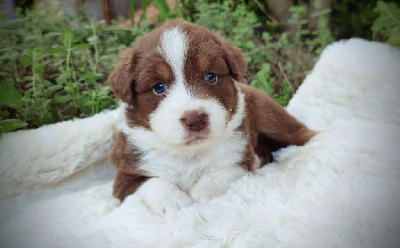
209, 53
128, 178
268, 125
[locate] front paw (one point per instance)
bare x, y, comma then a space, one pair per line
162, 197
206, 190
214, 184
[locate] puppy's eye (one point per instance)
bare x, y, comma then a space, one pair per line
160, 88
210, 78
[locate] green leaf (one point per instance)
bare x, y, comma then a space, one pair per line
9, 95
57, 50
266, 36
52, 89
93, 39
68, 34
27, 95
32, 37
163, 7
47, 83
256, 84
86, 101
110, 57
15, 24
63, 78
62, 99
53, 34
39, 69
38, 54
89, 76
26, 60
82, 47
266, 68
263, 81
11, 124
305, 32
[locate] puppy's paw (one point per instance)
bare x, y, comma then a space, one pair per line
169, 203
207, 189
162, 197
214, 184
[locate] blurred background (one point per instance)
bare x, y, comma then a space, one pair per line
55, 55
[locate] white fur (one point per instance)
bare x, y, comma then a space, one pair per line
215, 183
173, 48
166, 120
182, 164
340, 190
162, 197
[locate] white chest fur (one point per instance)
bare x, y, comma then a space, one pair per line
184, 167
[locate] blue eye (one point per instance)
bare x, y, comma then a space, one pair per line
211, 78
160, 88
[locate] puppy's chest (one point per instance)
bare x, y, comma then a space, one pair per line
184, 168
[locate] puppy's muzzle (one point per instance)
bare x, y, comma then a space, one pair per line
195, 121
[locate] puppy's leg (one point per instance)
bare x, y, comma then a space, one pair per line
128, 179
278, 125
162, 197
126, 184
215, 183
273, 122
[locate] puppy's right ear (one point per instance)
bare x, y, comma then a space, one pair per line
122, 78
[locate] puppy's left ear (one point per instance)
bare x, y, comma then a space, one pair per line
122, 78
234, 58
236, 62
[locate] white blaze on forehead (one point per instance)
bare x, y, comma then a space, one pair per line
165, 122
173, 48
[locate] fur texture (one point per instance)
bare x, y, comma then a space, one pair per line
342, 189
187, 121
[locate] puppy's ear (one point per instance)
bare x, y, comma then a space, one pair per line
122, 78
236, 62
234, 58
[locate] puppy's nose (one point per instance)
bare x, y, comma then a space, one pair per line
195, 121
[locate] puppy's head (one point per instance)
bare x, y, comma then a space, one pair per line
179, 83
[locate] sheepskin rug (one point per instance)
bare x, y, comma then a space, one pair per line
342, 189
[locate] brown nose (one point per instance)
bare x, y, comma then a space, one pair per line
195, 121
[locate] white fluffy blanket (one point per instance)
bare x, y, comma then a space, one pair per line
342, 189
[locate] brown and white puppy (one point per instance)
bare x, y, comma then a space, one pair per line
190, 128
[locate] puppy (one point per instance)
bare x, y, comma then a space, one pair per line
190, 128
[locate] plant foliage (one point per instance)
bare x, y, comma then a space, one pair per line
388, 22
53, 70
